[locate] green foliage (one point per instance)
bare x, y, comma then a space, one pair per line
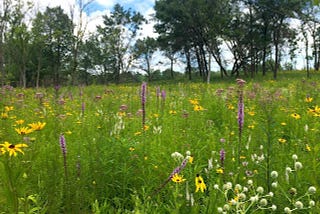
237, 36
114, 165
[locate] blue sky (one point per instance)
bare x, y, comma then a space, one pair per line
135, 5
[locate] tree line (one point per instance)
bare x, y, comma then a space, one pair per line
53, 47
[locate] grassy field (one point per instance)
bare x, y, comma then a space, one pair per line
227, 147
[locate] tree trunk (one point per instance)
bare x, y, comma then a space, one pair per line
276, 61
38, 71
3, 73
188, 57
204, 63
307, 55
209, 66
264, 52
171, 67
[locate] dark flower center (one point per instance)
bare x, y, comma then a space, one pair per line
11, 146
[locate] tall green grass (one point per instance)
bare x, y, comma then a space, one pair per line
114, 165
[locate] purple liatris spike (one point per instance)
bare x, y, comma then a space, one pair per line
240, 83
143, 92
57, 87
63, 147
178, 169
143, 103
163, 95
63, 144
240, 115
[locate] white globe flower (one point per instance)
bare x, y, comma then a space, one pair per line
295, 157
287, 210
260, 190
312, 190
274, 174
298, 205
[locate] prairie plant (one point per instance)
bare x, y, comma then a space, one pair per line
290, 189
244, 199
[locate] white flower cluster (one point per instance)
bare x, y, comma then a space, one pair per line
241, 199
298, 204
257, 158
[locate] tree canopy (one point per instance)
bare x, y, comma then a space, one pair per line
238, 37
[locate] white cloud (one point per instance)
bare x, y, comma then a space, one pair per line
107, 3
94, 18
147, 28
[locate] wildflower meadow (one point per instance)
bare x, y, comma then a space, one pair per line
239, 146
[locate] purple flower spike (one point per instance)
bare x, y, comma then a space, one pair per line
240, 83
240, 115
63, 147
143, 92
63, 144
163, 95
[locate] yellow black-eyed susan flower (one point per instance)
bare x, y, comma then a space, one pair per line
24, 130
12, 149
177, 178
308, 99
37, 126
295, 116
200, 185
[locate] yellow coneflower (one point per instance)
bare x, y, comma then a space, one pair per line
4, 115
8, 108
37, 126
251, 126
121, 113
308, 99
295, 116
24, 130
251, 113
219, 171
308, 148
146, 128
19, 122
230, 106
282, 140
200, 185
198, 108
12, 149
194, 101
177, 178
191, 159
